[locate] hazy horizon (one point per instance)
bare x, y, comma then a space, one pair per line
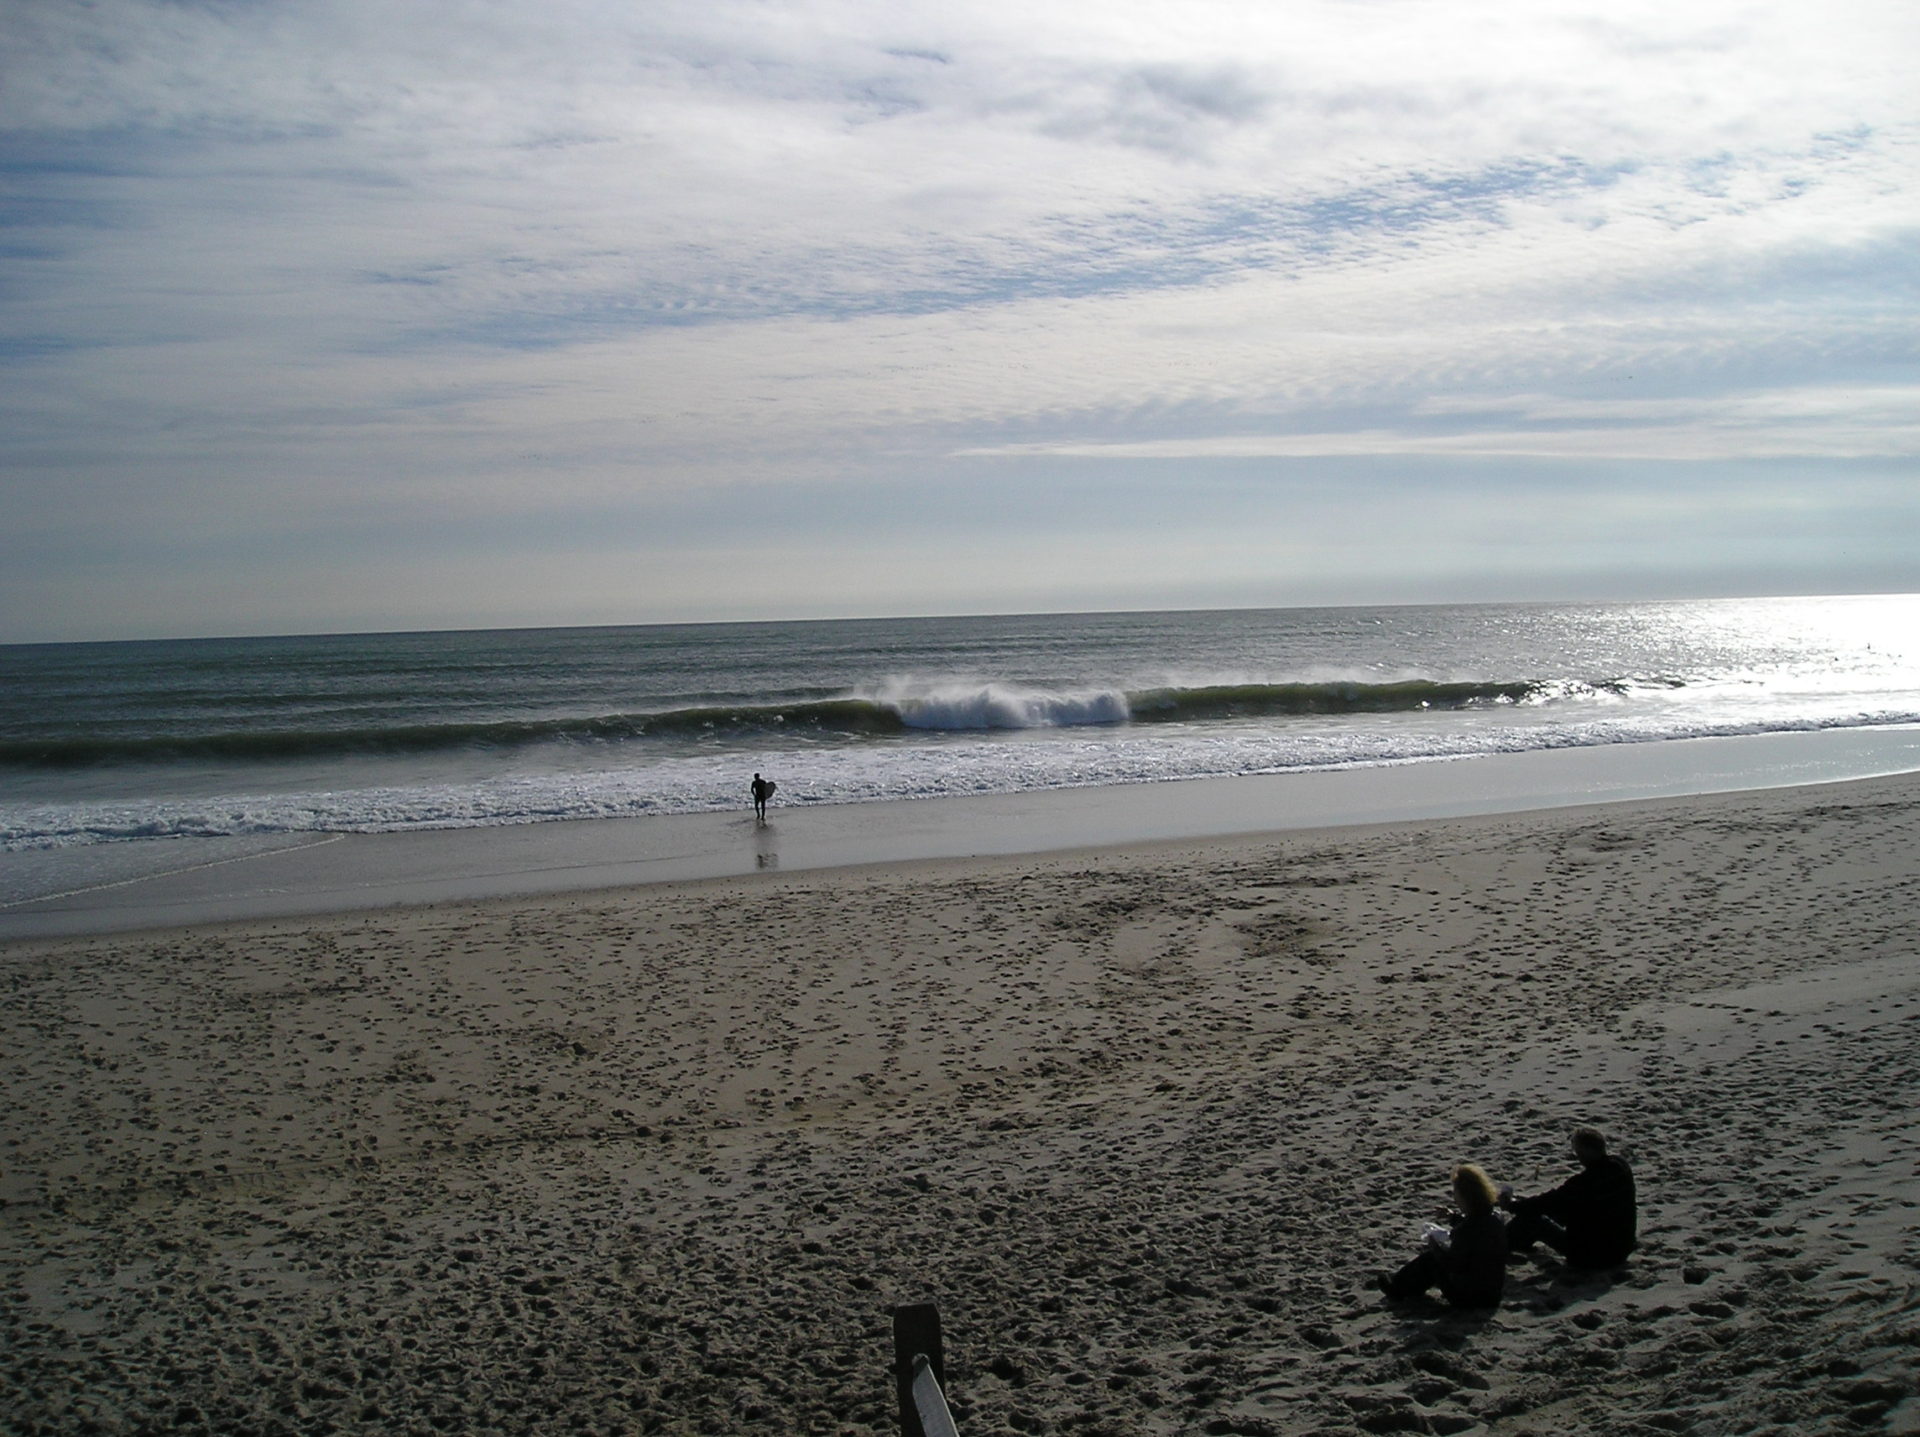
1653, 600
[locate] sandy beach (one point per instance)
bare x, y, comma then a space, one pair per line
1142, 1121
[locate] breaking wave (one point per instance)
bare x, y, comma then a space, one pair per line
895, 708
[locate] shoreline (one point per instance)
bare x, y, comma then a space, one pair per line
181, 882
1142, 1121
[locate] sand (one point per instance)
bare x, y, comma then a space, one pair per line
1143, 1122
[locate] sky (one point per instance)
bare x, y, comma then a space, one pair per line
341, 315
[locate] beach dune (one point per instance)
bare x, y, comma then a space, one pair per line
1142, 1121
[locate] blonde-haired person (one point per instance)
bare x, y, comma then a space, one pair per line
1468, 1261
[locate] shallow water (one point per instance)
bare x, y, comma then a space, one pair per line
172, 881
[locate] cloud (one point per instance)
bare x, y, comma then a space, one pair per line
1850, 423
282, 270
1645, 442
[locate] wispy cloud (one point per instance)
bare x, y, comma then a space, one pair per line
265, 268
1849, 423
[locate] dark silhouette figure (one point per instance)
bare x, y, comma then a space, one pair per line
762, 791
1591, 1219
1468, 1261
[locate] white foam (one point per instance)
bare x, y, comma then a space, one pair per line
1010, 762
956, 705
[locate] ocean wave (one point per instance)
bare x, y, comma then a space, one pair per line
981, 707
1230, 701
840, 716
872, 773
894, 708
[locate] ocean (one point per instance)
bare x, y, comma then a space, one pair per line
110, 742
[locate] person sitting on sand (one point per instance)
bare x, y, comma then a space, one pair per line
1467, 1262
762, 789
1590, 1219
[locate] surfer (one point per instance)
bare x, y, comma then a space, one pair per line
762, 791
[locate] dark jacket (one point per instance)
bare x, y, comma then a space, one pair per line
1597, 1208
1474, 1266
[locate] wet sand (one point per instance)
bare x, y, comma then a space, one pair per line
175, 881
1142, 1121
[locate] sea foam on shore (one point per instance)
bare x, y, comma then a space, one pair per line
166, 882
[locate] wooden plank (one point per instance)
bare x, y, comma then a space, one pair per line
919, 1372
